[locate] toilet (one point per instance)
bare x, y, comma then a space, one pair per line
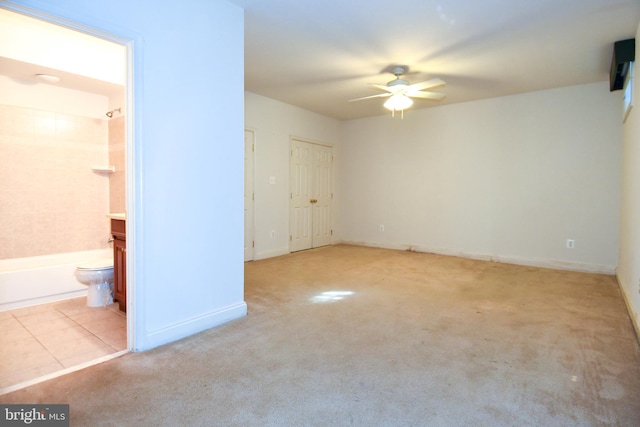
98, 276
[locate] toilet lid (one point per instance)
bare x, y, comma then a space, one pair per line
102, 264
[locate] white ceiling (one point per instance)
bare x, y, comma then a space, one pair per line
319, 54
29, 46
25, 73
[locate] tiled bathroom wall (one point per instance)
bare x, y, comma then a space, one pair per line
117, 183
51, 200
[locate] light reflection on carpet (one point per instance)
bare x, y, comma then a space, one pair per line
330, 296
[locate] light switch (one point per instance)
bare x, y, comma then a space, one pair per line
272, 180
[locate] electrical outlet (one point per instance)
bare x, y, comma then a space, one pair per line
571, 243
381, 227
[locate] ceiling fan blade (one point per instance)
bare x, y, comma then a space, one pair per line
429, 84
380, 95
427, 95
382, 87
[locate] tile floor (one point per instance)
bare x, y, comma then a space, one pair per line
44, 339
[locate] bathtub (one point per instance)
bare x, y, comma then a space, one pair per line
36, 280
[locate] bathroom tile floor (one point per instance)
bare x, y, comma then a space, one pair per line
43, 339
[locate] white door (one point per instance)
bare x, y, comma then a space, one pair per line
321, 195
300, 216
249, 146
311, 196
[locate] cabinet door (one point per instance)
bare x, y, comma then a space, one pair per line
119, 273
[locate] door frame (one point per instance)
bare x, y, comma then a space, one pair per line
252, 165
133, 171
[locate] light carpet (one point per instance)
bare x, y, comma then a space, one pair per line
348, 335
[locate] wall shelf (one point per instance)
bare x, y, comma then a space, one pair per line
108, 169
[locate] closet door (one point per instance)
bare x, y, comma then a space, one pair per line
321, 195
300, 204
311, 196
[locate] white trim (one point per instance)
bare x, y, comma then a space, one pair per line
531, 262
635, 319
62, 372
193, 326
309, 141
134, 179
270, 254
253, 190
558, 265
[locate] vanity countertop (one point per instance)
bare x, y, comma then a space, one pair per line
117, 215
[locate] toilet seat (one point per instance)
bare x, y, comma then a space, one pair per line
103, 264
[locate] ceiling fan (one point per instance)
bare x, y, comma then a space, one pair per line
400, 91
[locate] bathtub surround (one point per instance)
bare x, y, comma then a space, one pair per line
51, 201
54, 201
117, 179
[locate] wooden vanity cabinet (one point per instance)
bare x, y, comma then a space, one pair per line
118, 230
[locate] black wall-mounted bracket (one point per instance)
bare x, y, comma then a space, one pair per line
624, 52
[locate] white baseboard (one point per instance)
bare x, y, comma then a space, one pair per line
394, 246
189, 327
530, 262
558, 265
635, 321
271, 254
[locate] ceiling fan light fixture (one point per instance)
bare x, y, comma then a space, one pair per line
48, 78
400, 91
398, 102
398, 82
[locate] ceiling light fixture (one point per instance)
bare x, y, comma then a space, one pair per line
398, 102
47, 78
400, 92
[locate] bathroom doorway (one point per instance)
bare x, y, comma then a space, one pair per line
94, 111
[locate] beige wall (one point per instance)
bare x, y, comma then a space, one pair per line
629, 266
51, 201
274, 123
508, 179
